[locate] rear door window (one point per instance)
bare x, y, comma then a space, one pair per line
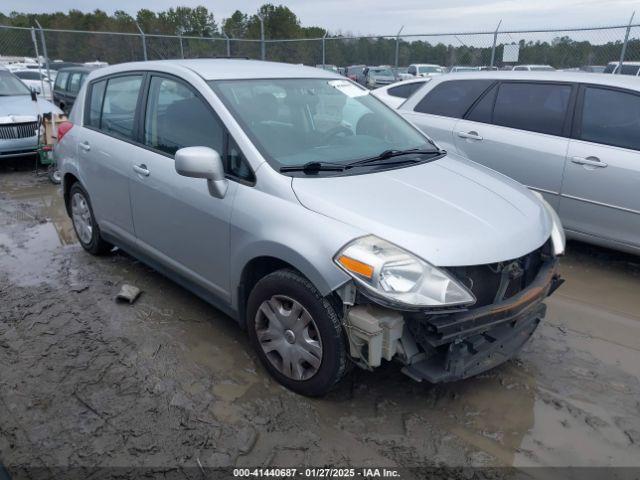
535, 107
610, 117
482, 111
452, 98
119, 105
406, 90
61, 81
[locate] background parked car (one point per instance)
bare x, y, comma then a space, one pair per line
533, 68
573, 137
628, 68
329, 67
593, 68
396, 93
36, 81
425, 69
401, 73
19, 116
354, 72
462, 68
67, 85
378, 76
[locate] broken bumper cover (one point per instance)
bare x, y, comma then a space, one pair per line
464, 344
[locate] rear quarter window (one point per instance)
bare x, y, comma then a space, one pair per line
406, 90
452, 98
610, 117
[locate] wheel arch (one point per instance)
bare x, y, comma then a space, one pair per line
67, 182
260, 265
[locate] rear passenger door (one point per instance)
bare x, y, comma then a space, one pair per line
104, 150
601, 189
178, 223
520, 129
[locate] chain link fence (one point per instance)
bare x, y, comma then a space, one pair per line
566, 49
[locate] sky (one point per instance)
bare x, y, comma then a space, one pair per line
385, 17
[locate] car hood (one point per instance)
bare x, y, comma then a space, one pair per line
23, 106
450, 212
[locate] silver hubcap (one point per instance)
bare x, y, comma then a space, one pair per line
289, 337
81, 217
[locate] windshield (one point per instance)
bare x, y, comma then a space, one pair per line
430, 69
10, 85
381, 72
296, 121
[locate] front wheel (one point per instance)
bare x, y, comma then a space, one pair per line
296, 333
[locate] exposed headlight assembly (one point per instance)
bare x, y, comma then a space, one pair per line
398, 278
558, 238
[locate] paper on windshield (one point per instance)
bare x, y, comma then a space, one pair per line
348, 88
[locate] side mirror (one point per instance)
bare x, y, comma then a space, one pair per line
203, 162
34, 94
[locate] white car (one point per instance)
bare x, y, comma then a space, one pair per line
425, 69
35, 81
533, 68
396, 93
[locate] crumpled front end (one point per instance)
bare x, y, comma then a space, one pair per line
456, 343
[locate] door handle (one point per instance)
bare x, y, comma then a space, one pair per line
85, 146
591, 161
470, 135
141, 169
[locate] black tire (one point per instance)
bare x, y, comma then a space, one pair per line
333, 365
54, 175
96, 244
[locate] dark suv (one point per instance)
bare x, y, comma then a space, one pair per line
67, 85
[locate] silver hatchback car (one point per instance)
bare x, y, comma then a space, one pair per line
333, 230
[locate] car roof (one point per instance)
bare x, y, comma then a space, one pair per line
78, 68
225, 69
425, 65
626, 81
624, 63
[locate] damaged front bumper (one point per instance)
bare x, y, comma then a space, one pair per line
445, 346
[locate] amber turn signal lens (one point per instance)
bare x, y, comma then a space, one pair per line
355, 266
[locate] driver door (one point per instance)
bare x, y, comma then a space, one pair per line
177, 222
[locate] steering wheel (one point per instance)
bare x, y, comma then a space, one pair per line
336, 131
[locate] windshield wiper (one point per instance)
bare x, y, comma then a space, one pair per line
313, 167
387, 154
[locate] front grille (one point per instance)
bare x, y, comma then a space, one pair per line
492, 283
18, 130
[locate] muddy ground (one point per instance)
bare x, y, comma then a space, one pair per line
172, 383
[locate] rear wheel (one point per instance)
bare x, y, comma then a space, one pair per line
296, 333
54, 174
84, 222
